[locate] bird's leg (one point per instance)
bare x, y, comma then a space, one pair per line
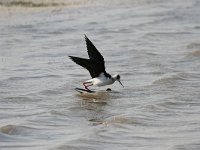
86, 86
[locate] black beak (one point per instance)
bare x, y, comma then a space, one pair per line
121, 83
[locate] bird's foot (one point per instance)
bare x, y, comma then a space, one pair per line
86, 86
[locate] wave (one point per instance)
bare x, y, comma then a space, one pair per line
41, 3
114, 120
171, 79
194, 54
32, 77
193, 45
16, 130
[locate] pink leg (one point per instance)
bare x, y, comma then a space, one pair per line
86, 86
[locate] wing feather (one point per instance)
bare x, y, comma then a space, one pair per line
87, 64
95, 64
95, 55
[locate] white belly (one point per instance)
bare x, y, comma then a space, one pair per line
101, 81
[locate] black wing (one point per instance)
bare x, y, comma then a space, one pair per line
88, 64
95, 56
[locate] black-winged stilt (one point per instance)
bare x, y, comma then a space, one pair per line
96, 66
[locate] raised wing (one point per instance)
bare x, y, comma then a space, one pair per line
88, 64
94, 54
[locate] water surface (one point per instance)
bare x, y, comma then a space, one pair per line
153, 45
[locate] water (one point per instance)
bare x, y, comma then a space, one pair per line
154, 46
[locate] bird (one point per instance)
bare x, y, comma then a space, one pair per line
96, 67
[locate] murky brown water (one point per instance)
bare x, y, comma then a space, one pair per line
154, 45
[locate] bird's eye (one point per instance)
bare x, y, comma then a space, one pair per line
118, 77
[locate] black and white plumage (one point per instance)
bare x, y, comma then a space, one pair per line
96, 67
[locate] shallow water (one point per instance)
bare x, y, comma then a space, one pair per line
154, 46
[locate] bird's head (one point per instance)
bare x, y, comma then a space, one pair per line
116, 77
